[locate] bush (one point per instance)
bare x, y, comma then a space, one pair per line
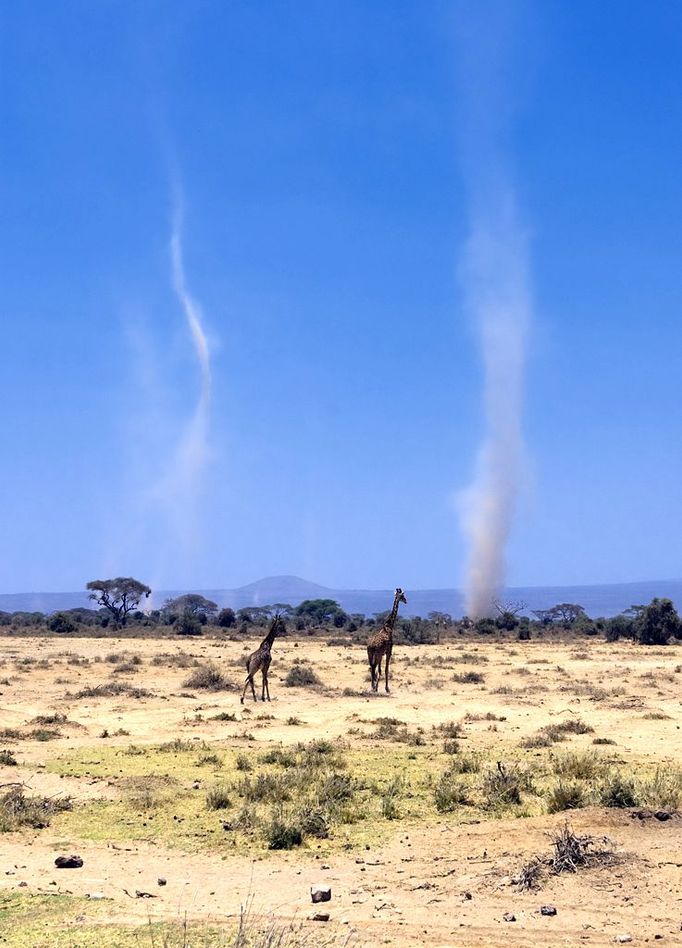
503, 785
226, 618
618, 791
218, 798
112, 689
61, 623
301, 676
657, 623
7, 758
207, 677
580, 766
284, 834
17, 810
188, 624
469, 678
565, 796
664, 789
314, 822
465, 763
449, 793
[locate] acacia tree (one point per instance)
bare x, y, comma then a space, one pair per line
657, 623
118, 596
319, 611
564, 613
191, 604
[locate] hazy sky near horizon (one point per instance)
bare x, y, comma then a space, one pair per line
319, 148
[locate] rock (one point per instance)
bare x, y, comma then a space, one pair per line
68, 862
22, 885
96, 896
320, 917
468, 896
547, 910
622, 939
161, 881
508, 917
320, 893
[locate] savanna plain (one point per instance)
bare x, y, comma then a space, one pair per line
517, 793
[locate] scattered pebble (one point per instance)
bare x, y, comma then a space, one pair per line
320, 917
161, 881
509, 917
622, 939
547, 910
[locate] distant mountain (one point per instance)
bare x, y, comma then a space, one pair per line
598, 600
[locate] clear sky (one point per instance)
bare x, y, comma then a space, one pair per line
319, 149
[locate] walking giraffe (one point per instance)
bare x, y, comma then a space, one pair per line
261, 658
381, 643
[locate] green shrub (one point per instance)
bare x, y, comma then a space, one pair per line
301, 676
449, 793
502, 786
207, 677
284, 833
618, 791
565, 796
218, 798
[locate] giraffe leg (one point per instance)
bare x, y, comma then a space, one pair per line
253, 689
246, 685
267, 686
387, 663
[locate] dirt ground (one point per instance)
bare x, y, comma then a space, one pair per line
420, 877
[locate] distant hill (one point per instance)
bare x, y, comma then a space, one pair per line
598, 600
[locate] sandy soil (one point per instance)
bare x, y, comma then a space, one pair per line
437, 883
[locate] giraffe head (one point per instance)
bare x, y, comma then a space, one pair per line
400, 595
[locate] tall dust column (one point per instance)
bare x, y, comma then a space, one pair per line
178, 488
494, 272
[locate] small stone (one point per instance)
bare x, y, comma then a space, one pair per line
468, 896
320, 917
320, 893
161, 881
509, 917
622, 939
96, 896
68, 862
547, 910
22, 885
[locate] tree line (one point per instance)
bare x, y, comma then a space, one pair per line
118, 604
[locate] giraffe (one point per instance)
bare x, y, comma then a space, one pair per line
261, 658
381, 643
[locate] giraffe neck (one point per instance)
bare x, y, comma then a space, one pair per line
390, 622
269, 638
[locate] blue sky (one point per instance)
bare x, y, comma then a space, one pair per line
319, 146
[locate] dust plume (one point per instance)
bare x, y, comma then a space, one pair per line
177, 490
494, 272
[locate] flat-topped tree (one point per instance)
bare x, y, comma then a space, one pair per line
118, 596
